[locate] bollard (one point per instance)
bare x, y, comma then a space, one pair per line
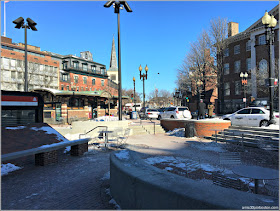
189, 129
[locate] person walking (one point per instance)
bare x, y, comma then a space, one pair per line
210, 110
201, 109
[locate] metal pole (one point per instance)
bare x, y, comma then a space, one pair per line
119, 70
144, 92
245, 95
134, 96
26, 70
271, 117
4, 19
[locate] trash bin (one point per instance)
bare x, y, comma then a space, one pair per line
133, 115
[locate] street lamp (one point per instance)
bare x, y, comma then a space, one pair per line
143, 77
117, 6
244, 77
134, 94
270, 22
30, 24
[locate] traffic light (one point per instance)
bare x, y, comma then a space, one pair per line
132, 96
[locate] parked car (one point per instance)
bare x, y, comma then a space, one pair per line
251, 116
179, 112
152, 113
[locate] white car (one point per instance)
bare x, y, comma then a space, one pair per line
152, 113
251, 116
178, 112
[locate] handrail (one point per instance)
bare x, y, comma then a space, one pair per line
92, 130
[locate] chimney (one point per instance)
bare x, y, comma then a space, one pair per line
233, 29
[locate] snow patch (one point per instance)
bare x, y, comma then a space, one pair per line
67, 149
117, 207
178, 132
106, 176
168, 169
16, 128
272, 126
216, 147
50, 130
7, 168
123, 155
106, 119
154, 160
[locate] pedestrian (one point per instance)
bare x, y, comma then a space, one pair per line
210, 110
201, 110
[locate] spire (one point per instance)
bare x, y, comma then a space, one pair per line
113, 60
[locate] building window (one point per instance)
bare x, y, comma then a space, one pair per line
67, 87
113, 77
262, 40
86, 89
90, 89
237, 88
82, 88
248, 45
20, 75
248, 64
62, 87
13, 74
65, 65
226, 52
85, 67
76, 78
93, 81
227, 89
19, 87
237, 66
226, 69
77, 89
13, 64
85, 80
102, 82
19, 63
237, 49
102, 71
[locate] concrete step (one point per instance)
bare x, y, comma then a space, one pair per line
138, 130
250, 135
262, 129
257, 132
150, 129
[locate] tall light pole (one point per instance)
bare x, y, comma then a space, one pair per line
30, 24
117, 6
270, 22
134, 94
143, 77
244, 77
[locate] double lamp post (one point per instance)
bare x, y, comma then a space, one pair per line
270, 22
144, 77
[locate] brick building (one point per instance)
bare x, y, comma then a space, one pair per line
42, 68
247, 52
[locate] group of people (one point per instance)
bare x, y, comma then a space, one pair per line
201, 110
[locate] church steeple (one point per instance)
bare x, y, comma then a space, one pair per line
113, 60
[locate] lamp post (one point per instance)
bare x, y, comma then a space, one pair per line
143, 77
117, 6
134, 94
30, 24
244, 80
270, 22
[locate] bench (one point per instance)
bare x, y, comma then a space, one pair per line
47, 154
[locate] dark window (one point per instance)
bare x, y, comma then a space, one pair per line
244, 111
171, 109
257, 111
183, 109
47, 114
17, 117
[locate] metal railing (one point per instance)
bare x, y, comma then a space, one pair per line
146, 117
92, 130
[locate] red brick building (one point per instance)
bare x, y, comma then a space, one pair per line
248, 52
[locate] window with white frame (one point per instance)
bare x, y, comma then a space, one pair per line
237, 87
85, 80
227, 89
226, 69
13, 74
237, 49
13, 64
248, 64
262, 40
76, 78
6, 63
93, 81
248, 45
102, 82
226, 52
237, 66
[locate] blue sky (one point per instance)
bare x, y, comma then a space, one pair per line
156, 33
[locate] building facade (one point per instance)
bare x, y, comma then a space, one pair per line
248, 52
42, 68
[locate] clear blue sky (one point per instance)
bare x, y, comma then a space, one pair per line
156, 33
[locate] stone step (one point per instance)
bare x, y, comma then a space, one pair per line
254, 132
251, 135
262, 129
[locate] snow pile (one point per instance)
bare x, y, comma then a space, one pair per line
72, 137
106, 176
215, 147
212, 119
178, 132
154, 160
50, 130
123, 155
106, 119
7, 168
67, 149
15, 128
112, 201
272, 126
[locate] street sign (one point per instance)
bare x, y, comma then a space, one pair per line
244, 99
